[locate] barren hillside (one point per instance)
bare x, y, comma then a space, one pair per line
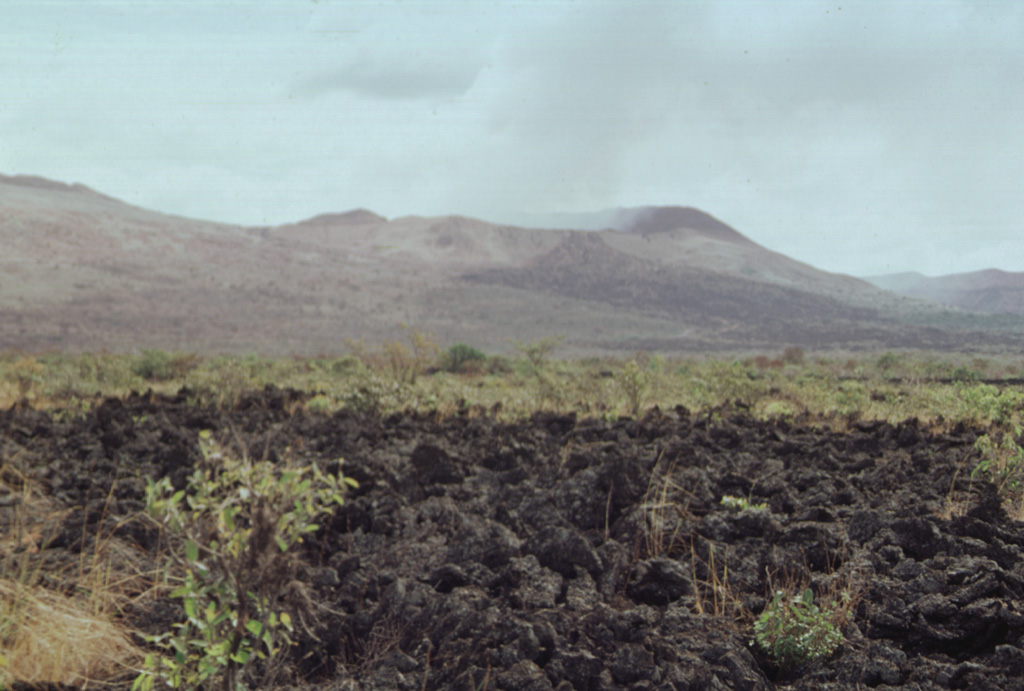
991, 291
84, 271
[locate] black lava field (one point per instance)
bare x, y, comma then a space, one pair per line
566, 553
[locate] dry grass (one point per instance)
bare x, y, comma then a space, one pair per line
28, 518
49, 637
712, 593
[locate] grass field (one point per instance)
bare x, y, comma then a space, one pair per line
935, 388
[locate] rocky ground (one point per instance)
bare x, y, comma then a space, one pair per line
564, 553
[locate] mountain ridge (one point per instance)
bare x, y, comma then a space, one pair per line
990, 291
86, 271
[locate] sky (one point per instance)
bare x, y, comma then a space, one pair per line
863, 137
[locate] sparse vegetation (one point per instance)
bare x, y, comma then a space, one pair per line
415, 373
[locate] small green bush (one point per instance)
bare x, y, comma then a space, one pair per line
1002, 462
794, 630
458, 356
231, 531
157, 365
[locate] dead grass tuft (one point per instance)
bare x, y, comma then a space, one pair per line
48, 637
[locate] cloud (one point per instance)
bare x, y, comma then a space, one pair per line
397, 77
395, 51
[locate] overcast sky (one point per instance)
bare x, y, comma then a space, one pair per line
861, 137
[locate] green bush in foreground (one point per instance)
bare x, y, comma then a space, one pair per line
232, 530
794, 630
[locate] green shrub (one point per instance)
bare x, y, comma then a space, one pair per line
458, 356
321, 403
232, 531
157, 365
985, 403
346, 365
793, 630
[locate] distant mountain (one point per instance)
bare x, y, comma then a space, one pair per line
991, 291
81, 270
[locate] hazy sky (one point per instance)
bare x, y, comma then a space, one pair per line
862, 137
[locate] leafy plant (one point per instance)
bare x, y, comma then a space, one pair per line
793, 630
984, 403
1002, 462
742, 503
372, 394
232, 531
850, 398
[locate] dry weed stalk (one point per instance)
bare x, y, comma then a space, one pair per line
713, 595
954, 504
662, 512
385, 635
